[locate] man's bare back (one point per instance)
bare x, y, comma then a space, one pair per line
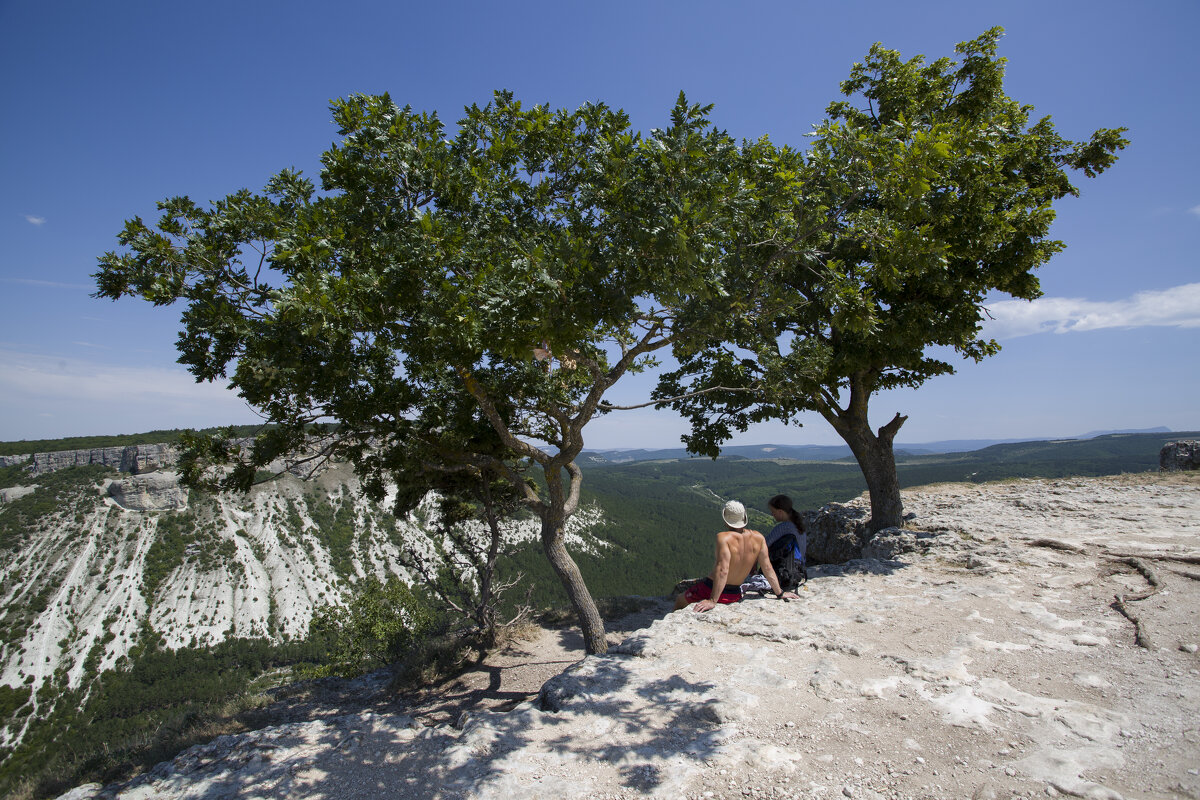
738, 551
746, 548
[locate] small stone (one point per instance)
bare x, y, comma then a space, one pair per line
1010, 772
920, 760
847, 791
1051, 791
1190, 647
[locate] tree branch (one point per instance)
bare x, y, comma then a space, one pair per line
667, 400
888, 432
497, 422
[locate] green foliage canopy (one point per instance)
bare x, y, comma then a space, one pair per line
467, 299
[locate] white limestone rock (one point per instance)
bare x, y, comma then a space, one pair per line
154, 491
15, 492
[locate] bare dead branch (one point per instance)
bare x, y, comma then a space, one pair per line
1186, 559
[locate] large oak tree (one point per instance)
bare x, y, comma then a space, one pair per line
451, 301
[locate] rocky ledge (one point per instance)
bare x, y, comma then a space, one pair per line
154, 491
993, 652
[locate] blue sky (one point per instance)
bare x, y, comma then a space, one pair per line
110, 107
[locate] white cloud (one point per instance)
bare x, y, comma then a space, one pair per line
47, 284
1195, 210
88, 397
32, 220
1178, 307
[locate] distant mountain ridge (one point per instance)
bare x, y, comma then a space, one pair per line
814, 452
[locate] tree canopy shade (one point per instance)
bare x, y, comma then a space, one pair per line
924, 192
453, 303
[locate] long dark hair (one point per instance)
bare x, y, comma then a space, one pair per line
784, 503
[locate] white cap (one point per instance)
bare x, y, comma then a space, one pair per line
734, 514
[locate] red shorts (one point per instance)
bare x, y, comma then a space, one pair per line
703, 591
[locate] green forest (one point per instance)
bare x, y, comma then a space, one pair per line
27, 446
161, 702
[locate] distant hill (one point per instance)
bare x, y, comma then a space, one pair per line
794, 452
802, 452
1093, 434
813, 452
29, 446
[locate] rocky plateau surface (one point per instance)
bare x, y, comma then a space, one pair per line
1020, 639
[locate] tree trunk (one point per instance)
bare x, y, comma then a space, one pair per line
875, 458
878, 465
487, 603
568, 572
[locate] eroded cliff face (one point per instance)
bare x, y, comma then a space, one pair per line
96, 562
134, 458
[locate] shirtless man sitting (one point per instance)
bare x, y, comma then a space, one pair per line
738, 550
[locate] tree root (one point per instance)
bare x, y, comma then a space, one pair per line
1147, 573
1139, 633
1120, 603
1154, 557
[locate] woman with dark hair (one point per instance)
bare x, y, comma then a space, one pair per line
787, 521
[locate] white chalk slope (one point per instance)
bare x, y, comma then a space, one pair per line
74, 597
986, 662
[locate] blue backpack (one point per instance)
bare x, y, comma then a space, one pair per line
787, 559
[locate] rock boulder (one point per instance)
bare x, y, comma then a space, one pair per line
1177, 456
836, 533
